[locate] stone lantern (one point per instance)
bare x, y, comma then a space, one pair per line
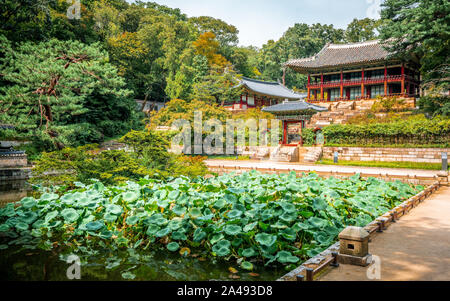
354, 246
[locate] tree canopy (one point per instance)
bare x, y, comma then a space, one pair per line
420, 28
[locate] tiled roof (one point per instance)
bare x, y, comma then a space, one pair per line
273, 89
342, 54
293, 106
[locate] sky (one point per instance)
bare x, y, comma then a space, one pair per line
261, 20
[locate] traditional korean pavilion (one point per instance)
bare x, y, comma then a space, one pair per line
258, 94
357, 71
294, 115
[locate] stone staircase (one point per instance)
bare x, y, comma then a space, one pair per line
341, 111
312, 154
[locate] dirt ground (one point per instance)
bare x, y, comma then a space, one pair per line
417, 247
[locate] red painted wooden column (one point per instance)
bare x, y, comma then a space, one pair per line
385, 81
284, 132
321, 86
403, 78
309, 89
342, 84
362, 82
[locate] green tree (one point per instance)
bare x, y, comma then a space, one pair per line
226, 34
362, 30
49, 85
298, 41
218, 87
420, 28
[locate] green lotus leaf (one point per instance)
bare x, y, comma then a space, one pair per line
106, 234
39, 224
9, 210
130, 196
110, 218
199, 235
222, 248
279, 225
250, 252
265, 239
132, 220
21, 226
70, 215
216, 238
224, 243
195, 213
288, 207
247, 265
286, 257
113, 209
177, 235
173, 195
175, 224
266, 214
163, 232
128, 276
232, 230
234, 214
323, 239
179, 210
152, 230
301, 226
3, 247
317, 223
29, 217
50, 216
28, 202
250, 227
289, 234
67, 199
4, 228
237, 242
173, 246
54, 224
319, 204
219, 204
94, 226
288, 217
49, 196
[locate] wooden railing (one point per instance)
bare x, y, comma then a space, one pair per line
357, 82
366, 97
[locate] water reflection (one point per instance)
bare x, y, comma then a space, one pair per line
13, 191
18, 263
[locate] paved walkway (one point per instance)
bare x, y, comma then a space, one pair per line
417, 247
323, 168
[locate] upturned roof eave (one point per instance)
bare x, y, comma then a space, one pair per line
273, 95
307, 69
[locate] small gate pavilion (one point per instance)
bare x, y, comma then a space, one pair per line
294, 115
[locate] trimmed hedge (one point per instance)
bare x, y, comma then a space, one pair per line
416, 131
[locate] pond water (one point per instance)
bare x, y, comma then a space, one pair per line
17, 263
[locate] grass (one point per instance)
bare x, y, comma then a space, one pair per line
408, 165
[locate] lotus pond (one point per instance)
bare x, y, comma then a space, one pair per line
253, 226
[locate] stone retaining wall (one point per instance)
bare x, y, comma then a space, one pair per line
424, 155
13, 161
